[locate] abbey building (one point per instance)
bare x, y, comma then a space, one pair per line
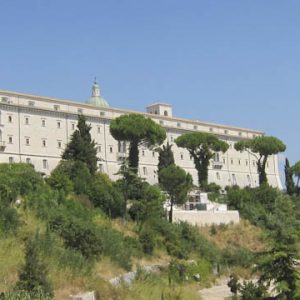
36, 129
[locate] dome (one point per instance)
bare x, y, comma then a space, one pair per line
96, 99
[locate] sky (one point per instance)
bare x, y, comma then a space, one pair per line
229, 62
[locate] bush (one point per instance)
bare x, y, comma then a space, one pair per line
147, 241
9, 219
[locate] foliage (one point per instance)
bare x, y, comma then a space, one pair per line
252, 291
201, 147
263, 146
147, 241
9, 219
33, 276
166, 157
137, 130
289, 181
82, 147
177, 183
296, 172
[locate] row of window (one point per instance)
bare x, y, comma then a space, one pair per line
28, 161
233, 178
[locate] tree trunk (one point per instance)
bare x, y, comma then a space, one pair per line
134, 156
171, 211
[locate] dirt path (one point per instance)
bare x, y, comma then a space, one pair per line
217, 292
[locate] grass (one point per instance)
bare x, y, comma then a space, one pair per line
243, 235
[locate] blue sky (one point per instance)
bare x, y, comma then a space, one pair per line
232, 62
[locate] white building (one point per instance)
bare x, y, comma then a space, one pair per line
36, 129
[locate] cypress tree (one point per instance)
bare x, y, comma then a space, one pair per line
82, 147
166, 158
289, 181
33, 276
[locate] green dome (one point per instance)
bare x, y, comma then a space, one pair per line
96, 99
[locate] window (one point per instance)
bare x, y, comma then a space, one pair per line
143, 152
27, 141
249, 180
43, 123
59, 144
26, 120
211, 129
56, 107
45, 164
191, 157
153, 154
231, 161
226, 131
110, 149
30, 103
181, 156
145, 172
224, 160
44, 142
102, 113
233, 179
58, 124
216, 157
73, 126
9, 119
99, 148
172, 138
239, 162
156, 112
10, 140
246, 162
121, 147
161, 122
28, 160
178, 124
101, 169
240, 133
218, 175
253, 163
99, 129
10, 159
165, 113
195, 127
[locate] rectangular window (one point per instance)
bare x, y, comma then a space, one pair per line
9, 119
143, 152
226, 131
58, 124
10, 140
110, 149
27, 141
178, 124
99, 148
45, 164
101, 169
10, 159
99, 129
145, 172
43, 123
26, 120
30, 103
211, 129
44, 142
59, 144
73, 126
56, 107
102, 113
161, 122
181, 156
153, 154
231, 161
246, 162
28, 160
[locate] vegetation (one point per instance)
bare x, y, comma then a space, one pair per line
201, 147
289, 180
261, 147
137, 130
82, 147
166, 157
177, 183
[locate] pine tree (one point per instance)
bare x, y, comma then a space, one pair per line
33, 276
289, 181
82, 147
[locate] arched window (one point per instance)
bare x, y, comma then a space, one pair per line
165, 113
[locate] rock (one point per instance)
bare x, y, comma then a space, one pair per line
196, 277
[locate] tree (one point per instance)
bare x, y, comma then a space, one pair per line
82, 147
201, 147
289, 181
261, 147
166, 157
137, 130
296, 172
33, 276
177, 183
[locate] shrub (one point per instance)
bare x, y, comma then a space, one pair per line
147, 241
9, 219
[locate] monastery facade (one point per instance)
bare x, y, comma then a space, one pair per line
36, 129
